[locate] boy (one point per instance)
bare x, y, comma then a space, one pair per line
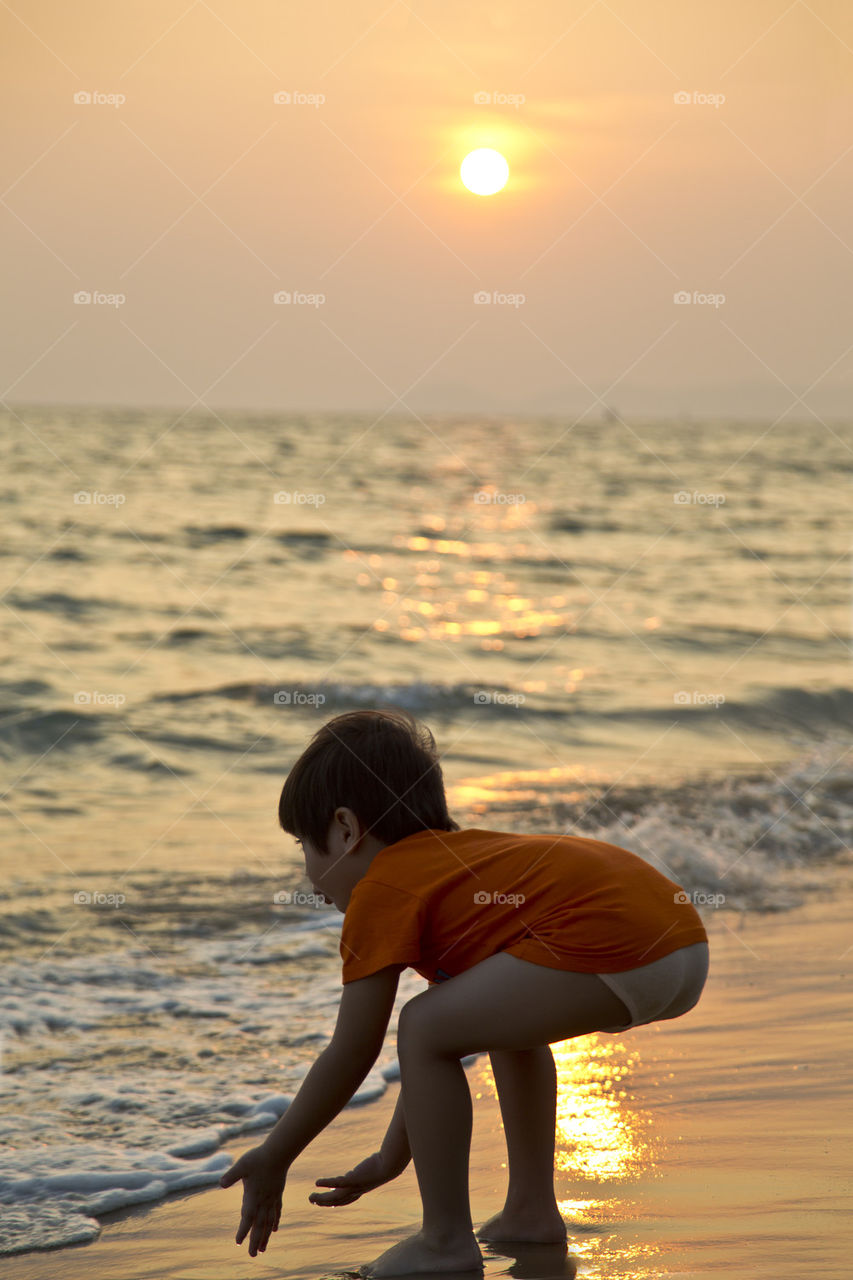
525, 941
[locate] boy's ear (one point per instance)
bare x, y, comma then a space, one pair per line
350, 826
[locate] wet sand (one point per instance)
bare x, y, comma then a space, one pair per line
717, 1142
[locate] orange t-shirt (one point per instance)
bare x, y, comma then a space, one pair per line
441, 901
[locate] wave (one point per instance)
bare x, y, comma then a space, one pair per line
416, 695
775, 710
819, 714
58, 602
810, 709
741, 841
24, 729
299, 539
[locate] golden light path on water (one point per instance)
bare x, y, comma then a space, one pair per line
523, 786
606, 1140
463, 593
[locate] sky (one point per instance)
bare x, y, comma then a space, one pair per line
700, 150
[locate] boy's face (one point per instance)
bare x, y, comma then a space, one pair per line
335, 874
320, 870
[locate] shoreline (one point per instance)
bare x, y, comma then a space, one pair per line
717, 1140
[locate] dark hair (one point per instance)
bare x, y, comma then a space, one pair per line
383, 765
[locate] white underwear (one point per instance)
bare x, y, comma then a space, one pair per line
666, 988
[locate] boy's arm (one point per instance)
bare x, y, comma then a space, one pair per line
395, 1150
363, 1016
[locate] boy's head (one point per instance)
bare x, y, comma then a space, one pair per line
383, 765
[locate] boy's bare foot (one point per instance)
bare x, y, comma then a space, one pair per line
540, 1226
417, 1255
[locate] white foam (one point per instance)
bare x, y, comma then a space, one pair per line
84, 1141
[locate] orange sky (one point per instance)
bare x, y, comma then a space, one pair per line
198, 198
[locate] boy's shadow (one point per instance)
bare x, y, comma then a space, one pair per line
532, 1261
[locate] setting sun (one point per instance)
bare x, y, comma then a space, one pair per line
484, 171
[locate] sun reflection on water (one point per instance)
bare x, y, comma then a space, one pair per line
600, 1133
472, 601
603, 1136
524, 786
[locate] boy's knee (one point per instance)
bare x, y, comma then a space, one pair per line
414, 1025
410, 1016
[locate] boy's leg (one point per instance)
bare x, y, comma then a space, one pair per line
502, 1003
526, 1081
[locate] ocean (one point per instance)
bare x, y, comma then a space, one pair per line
637, 631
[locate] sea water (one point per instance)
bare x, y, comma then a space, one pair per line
638, 632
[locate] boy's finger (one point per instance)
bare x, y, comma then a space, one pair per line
334, 1198
260, 1236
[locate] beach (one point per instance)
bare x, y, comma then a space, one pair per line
716, 1142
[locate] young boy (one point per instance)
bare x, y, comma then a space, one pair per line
525, 941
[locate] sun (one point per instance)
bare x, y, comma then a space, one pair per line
484, 171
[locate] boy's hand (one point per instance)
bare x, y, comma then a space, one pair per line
372, 1172
263, 1183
